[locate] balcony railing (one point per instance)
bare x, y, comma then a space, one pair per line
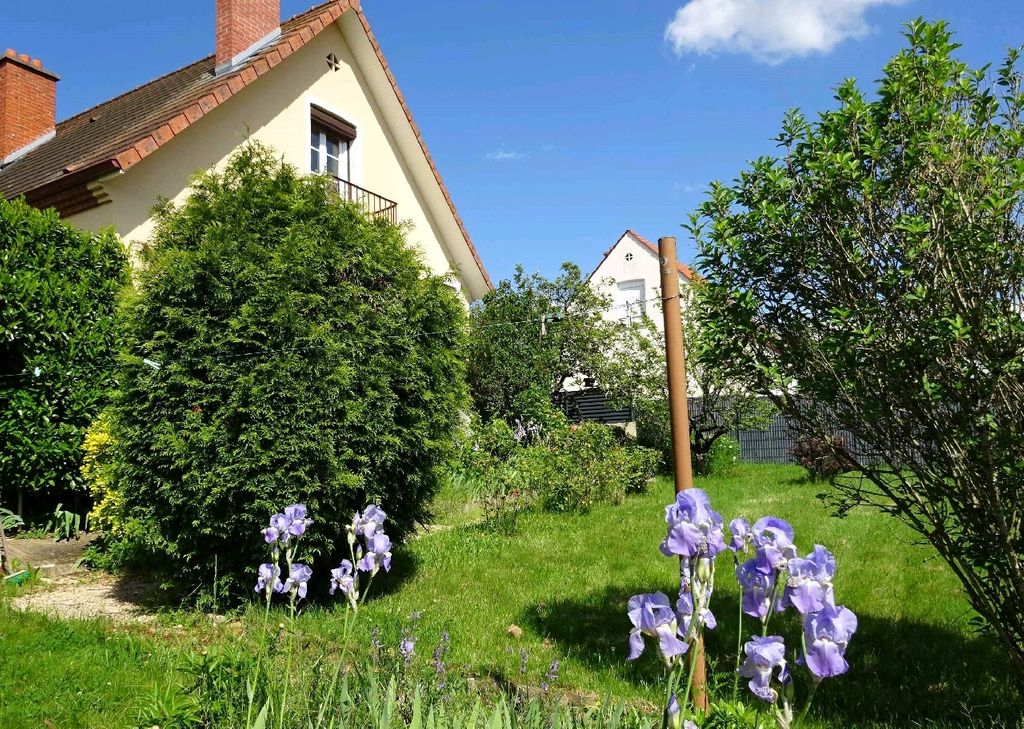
374, 205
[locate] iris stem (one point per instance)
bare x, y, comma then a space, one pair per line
771, 605
259, 662
694, 646
739, 650
807, 706
288, 664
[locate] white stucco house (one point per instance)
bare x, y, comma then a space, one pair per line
629, 274
316, 88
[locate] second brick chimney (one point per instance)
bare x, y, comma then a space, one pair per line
243, 26
28, 103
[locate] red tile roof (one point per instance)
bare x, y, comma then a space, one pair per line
121, 132
685, 270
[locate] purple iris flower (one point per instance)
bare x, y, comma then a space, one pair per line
684, 610
741, 535
279, 527
652, 615
694, 527
297, 519
826, 635
674, 713
367, 523
298, 580
809, 586
675, 716
773, 538
271, 535
407, 647
378, 554
757, 588
763, 656
269, 579
342, 578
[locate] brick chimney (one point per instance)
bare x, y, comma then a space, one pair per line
28, 103
243, 26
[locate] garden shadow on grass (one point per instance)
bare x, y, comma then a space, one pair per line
901, 670
404, 565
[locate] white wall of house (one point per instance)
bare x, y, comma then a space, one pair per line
630, 275
276, 110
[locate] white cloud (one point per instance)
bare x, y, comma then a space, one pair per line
504, 155
691, 187
769, 30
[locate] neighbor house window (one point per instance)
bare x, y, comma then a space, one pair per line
629, 299
330, 144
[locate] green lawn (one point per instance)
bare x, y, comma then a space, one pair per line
564, 581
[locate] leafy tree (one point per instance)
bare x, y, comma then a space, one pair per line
634, 375
514, 368
58, 288
876, 271
302, 353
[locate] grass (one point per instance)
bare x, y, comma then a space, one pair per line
563, 581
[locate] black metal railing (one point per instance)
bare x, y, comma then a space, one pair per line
374, 205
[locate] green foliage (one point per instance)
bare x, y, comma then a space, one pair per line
292, 368
58, 288
723, 457
636, 377
560, 469
10, 521
870, 282
169, 708
575, 468
514, 368
63, 524
564, 579
97, 475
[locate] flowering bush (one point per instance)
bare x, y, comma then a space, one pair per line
772, 577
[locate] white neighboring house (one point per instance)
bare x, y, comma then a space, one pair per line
630, 275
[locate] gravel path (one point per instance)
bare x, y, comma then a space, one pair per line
86, 595
67, 591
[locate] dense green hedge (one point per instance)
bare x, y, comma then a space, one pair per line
58, 288
289, 330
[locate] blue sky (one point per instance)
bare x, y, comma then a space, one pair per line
556, 125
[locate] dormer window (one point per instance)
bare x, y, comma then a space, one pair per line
330, 144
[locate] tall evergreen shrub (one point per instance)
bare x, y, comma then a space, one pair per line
58, 288
301, 353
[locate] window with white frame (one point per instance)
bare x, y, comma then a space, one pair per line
330, 144
630, 300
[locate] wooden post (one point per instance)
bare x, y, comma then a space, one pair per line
675, 358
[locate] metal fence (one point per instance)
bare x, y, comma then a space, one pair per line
774, 444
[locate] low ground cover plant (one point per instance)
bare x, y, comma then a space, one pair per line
380, 688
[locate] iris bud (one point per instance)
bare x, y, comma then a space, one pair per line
703, 569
